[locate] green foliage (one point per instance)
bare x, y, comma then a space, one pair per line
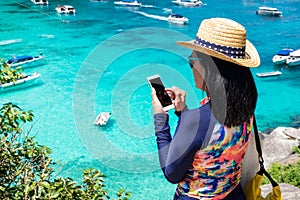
26, 167
296, 150
8, 74
285, 173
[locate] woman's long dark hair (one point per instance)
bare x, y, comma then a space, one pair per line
232, 91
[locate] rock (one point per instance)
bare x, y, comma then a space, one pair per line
289, 192
291, 159
277, 147
279, 144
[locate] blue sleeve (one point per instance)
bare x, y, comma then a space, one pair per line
176, 154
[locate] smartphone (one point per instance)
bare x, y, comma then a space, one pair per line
162, 95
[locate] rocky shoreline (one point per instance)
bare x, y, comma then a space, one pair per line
277, 146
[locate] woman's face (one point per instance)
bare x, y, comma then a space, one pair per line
198, 71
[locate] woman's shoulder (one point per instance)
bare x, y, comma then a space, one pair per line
204, 109
196, 115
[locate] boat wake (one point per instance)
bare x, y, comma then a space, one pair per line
167, 10
6, 42
152, 16
149, 6
47, 36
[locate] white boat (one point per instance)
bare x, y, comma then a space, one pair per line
22, 60
187, 3
294, 58
25, 79
263, 10
177, 19
281, 56
65, 9
268, 74
40, 2
134, 3
102, 118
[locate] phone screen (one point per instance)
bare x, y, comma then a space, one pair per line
161, 93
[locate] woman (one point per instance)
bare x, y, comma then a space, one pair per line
204, 157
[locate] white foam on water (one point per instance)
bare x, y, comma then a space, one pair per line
6, 42
47, 36
149, 6
158, 17
167, 10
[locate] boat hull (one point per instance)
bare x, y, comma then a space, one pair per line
24, 61
279, 60
129, 4
27, 79
268, 13
102, 119
67, 10
268, 74
41, 2
294, 62
187, 4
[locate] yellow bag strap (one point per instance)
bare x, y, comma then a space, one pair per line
260, 157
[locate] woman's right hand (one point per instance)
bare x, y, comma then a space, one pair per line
179, 97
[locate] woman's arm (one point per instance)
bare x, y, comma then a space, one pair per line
176, 154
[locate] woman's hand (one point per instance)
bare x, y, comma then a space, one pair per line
157, 107
179, 97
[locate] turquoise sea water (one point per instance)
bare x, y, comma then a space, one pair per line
98, 60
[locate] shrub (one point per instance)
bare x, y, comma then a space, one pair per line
26, 167
285, 173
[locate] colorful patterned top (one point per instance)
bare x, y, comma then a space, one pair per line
205, 166
216, 169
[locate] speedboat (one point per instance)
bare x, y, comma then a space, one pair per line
268, 74
40, 2
22, 60
102, 118
263, 10
128, 3
281, 56
66, 9
177, 19
187, 3
294, 58
25, 79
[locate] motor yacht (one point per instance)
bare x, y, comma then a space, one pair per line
187, 3
27, 78
294, 58
66, 9
177, 19
40, 2
23, 60
268, 74
269, 11
281, 56
102, 118
135, 3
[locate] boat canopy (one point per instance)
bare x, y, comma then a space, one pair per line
285, 52
17, 58
177, 16
129, 1
268, 8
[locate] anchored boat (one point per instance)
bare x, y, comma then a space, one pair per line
102, 118
268, 74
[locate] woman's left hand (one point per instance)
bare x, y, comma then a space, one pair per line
157, 107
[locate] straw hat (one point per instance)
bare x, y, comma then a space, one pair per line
225, 39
